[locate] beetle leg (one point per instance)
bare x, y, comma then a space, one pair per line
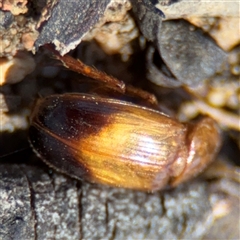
143, 94
78, 66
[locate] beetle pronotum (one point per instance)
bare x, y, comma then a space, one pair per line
117, 143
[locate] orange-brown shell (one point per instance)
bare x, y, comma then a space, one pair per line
120, 144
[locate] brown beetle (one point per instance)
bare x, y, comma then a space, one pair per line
117, 143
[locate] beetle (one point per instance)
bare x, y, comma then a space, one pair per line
118, 143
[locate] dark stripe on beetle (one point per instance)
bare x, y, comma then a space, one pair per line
57, 120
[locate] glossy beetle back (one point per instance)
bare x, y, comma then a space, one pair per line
117, 143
